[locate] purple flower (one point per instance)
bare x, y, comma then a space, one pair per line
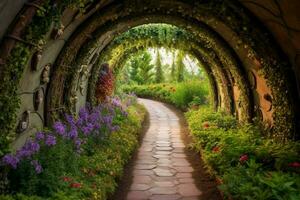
116, 102
97, 125
29, 148
60, 128
11, 160
50, 140
37, 167
83, 114
94, 117
87, 129
70, 119
78, 142
32, 146
107, 119
73, 133
39, 136
79, 122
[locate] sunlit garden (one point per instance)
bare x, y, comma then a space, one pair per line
149, 100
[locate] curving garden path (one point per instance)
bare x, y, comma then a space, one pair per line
163, 167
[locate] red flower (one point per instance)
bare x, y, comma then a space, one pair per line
66, 179
294, 164
205, 125
75, 185
216, 149
244, 158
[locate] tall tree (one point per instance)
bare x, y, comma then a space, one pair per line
159, 76
173, 69
180, 67
133, 67
146, 68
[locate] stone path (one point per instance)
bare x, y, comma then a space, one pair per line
162, 170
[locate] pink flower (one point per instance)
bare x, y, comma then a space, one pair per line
244, 158
294, 164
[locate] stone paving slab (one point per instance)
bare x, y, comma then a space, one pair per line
162, 170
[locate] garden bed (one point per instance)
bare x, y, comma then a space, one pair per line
247, 164
62, 168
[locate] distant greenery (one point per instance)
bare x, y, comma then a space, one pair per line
247, 165
140, 69
180, 68
182, 95
159, 73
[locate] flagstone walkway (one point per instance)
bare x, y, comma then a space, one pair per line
161, 170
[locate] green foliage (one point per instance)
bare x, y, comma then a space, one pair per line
96, 172
159, 75
183, 94
34, 33
13, 70
173, 69
249, 165
9, 101
19, 197
140, 69
180, 67
190, 93
25, 180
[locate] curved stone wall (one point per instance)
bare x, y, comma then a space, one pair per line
54, 54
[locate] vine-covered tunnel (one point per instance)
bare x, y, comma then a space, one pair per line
51, 53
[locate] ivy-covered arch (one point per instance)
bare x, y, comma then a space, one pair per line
143, 37
233, 30
259, 62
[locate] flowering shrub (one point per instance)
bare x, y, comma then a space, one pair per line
52, 159
105, 83
94, 122
249, 165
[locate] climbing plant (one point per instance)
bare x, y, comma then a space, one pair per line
34, 35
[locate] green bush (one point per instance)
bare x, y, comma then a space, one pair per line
192, 92
250, 165
182, 95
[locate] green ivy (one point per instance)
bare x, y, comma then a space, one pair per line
34, 33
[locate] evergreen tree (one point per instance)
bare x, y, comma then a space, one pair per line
133, 70
139, 68
173, 69
146, 68
159, 76
180, 67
